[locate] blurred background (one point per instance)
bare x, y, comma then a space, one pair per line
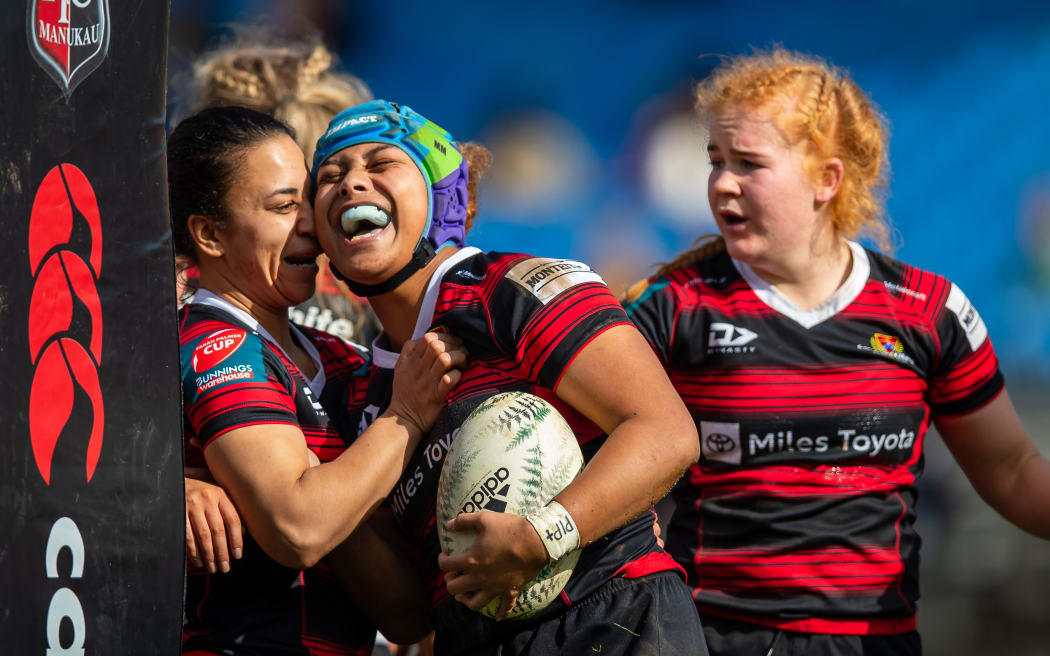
586, 107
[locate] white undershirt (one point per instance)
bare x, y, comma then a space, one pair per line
385, 358
843, 296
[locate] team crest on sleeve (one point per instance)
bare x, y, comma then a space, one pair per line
545, 278
966, 313
217, 347
220, 358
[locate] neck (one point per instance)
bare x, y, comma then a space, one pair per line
809, 278
398, 309
273, 319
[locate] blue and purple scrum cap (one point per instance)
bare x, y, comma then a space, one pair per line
431, 148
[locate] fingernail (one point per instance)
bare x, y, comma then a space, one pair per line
225, 565
237, 553
211, 567
198, 562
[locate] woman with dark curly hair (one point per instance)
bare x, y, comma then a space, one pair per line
254, 388
393, 206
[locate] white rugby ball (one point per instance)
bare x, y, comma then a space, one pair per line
514, 453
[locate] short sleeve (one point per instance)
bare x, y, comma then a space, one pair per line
653, 311
967, 372
546, 310
228, 383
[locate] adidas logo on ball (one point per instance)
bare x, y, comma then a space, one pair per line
488, 495
513, 453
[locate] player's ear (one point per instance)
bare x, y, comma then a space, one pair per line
829, 180
205, 234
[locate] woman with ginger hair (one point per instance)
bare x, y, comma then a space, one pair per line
812, 367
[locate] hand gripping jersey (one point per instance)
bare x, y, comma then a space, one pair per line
523, 319
800, 513
233, 375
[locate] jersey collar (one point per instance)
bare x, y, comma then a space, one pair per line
385, 358
842, 297
205, 297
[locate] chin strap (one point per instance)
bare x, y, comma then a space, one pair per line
420, 258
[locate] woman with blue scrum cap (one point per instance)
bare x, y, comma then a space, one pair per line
394, 201
255, 386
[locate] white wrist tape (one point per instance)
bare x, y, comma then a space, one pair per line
556, 529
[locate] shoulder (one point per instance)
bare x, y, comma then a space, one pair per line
335, 350
218, 355
547, 277
713, 274
208, 334
912, 288
941, 303
536, 277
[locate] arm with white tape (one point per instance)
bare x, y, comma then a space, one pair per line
651, 440
556, 530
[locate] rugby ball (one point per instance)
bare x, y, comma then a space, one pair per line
513, 453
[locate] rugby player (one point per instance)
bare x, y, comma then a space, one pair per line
254, 385
395, 199
813, 367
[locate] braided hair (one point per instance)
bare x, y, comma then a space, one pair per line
815, 103
293, 81
820, 105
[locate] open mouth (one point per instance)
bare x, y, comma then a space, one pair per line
363, 221
304, 261
732, 218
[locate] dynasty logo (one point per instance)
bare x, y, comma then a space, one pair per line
68, 38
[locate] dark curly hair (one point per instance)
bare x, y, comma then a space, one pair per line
203, 154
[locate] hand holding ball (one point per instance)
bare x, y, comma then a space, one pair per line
514, 454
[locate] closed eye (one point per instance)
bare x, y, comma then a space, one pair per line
382, 164
331, 175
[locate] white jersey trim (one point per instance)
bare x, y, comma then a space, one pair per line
843, 296
316, 384
385, 358
966, 314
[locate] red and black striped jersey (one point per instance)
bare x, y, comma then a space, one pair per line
800, 513
233, 375
523, 320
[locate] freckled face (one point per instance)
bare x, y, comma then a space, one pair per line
371, 206
759, 192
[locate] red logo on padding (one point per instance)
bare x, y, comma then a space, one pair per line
216, 347
65, 314
64, 363
63, 281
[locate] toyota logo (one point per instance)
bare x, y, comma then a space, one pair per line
720, 443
